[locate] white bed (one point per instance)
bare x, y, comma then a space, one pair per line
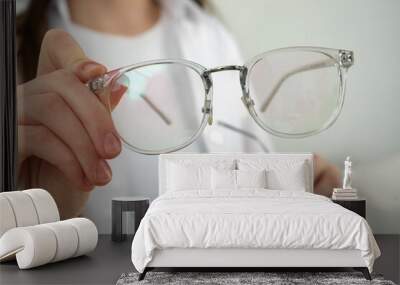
202, 226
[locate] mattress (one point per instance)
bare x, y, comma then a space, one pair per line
250, 219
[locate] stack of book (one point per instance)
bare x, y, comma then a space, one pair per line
344, 194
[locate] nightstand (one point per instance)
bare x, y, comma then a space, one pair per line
358, 206
139, 205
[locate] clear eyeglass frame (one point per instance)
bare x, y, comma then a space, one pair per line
343, 60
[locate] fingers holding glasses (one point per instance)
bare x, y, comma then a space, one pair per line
66, 67
57, 109
115, 95
61, 120
91, 112
31, 139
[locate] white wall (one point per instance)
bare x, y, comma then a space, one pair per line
369, 126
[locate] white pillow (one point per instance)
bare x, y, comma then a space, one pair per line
188, 177
251, 178
236, 179
293, 179
223, 179
282, 174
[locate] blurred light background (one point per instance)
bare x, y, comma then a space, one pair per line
369, 127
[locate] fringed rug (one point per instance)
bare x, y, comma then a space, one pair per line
244, 278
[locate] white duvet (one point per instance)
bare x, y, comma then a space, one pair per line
250, 219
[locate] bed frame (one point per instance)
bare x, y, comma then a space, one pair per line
234, 259
245, 259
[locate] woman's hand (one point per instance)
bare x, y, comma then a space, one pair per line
65, 134
326, 176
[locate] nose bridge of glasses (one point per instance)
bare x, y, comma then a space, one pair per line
224, 68
208, 81
206, 75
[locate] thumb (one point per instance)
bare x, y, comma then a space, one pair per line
116, 95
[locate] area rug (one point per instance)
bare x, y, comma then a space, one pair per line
244, 278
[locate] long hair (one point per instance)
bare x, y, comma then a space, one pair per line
32, 25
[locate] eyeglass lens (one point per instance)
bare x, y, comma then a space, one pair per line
294, 92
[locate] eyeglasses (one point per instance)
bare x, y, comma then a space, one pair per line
164, 105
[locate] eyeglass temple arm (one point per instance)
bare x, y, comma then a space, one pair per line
244, 133
156, 109
301, 69
98, 84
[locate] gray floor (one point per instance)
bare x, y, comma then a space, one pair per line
110, 260
102, 266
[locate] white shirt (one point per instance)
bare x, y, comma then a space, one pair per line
183, 31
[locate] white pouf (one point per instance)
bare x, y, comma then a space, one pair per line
67, 240
33, 246
23, 208
7, 218
40, 244
87, 233
26, 208
45, 205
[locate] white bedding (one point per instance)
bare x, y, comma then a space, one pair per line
251, 218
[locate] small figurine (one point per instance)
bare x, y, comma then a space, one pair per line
347, 174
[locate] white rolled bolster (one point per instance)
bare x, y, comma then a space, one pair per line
67, 240
26, 208
46, 207
23, 208
7, 218
41, 244
33, 246
87, 235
